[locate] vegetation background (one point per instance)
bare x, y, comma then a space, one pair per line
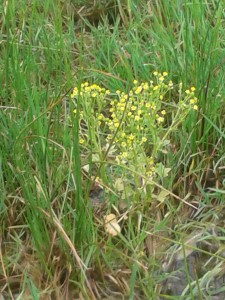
52, 242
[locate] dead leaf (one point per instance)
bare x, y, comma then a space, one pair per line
161, 197
111, 226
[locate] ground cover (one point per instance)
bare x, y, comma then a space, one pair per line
112, 150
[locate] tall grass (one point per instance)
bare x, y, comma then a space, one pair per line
50, 237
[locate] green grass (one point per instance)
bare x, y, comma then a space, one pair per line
53, 243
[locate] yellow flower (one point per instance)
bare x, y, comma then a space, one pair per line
133, 107
160, 120
165, 74
163, 112
100, 117
135, 81
123, 144
124, 154
137, 118
131, 137
192, 88
145, 85
149, 173
87, 89
170, 83
129, 114
150, 160
195, 107
138, 90
187, 92
75, 92
81, 141
144, 139
155, 73
92, 87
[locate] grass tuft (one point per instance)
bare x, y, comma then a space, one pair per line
112, 149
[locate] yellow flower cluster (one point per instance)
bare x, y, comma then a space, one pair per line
128, 120
192, 99
93, 101
150, 167
92, 90
131, 116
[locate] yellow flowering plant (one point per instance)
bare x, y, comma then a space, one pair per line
135, 124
